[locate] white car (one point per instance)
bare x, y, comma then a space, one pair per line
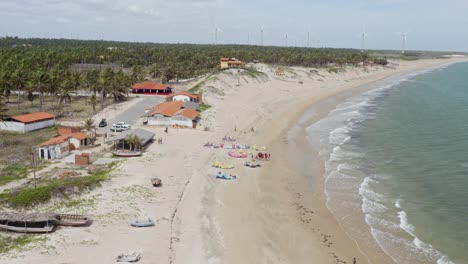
119, 127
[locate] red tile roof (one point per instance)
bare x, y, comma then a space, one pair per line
54, 141
189, 113
63, 138
67, 130
33, 117
235, 62
150, 86
225, 59
195, 96
167, 109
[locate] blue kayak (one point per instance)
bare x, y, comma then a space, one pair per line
225, 177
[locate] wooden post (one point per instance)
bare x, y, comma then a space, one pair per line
34, 166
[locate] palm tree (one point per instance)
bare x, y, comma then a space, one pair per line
89, 124
5, 84
105, 78
119, 86
134, 142
19, 80
39, 82
93, 101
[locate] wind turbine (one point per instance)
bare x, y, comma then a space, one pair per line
363, 39
261, 36
404, 38
286, 40
216, 33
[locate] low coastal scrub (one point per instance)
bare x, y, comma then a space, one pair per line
204, 107
8, 244
197, 87
27, 197
13, 172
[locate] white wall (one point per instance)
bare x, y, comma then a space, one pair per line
12, 126
75, 142
182, 98
39, 125
159, 120
21, 127
56, 151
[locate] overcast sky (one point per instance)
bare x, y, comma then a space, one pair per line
432, 24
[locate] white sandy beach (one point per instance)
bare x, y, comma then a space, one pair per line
268, 215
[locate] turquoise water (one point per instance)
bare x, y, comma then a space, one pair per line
399, 154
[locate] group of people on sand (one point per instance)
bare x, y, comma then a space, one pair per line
160, 140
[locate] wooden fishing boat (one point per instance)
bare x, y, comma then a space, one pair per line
73, 220
28, 223
145, 223
156, 182
126, 154
134, 257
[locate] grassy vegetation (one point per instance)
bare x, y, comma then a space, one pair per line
251, 72
334, 70
197, 87
13, 172
27, 197
16, 147
8, 244
204, 107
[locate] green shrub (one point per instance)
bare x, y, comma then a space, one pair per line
13, 172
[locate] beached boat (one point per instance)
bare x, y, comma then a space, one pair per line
225, 177
28, 223
126, 154
142, 223
156, 182
237, 155
221, 165
73, 220
252, 164
226, 138
133, 257
259, 148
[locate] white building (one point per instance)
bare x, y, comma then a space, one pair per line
54, 148
185, 97
61, 146
172, 113
29, 122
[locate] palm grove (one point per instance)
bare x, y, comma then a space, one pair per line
34, 68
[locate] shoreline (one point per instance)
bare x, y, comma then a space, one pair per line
312, 172
274, 214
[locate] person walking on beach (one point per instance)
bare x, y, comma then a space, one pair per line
354, 260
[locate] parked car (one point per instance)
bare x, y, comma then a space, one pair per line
103, 123
119, 127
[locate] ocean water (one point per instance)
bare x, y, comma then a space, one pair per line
396, 160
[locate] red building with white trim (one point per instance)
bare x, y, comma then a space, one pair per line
151, 88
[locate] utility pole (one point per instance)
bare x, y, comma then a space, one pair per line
34, 166
308, 39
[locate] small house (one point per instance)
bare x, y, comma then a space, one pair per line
153, 88
185, 97
67, 140
28, 122
173, 113
54, 148
230, 63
